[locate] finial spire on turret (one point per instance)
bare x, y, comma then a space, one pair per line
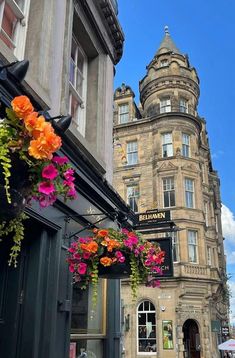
166, 28
167, 43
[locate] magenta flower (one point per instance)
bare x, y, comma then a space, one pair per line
72, 193
86, 255
69, 175
46, 187
82, 268
71, 268
50, 172
46, 200
60, 160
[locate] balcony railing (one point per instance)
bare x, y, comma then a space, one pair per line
155, 109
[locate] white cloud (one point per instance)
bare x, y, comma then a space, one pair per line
228, 224
217, 154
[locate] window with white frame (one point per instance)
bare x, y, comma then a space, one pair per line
133, 197
175, 245
132, 153
78, 85
183, 105
168, 192
13, 20
192, 246
165, 105
123, 113
186, 145
167, 146
146, 328
209, 256
189, 192
164, 63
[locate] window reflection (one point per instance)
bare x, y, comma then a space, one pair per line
84, 319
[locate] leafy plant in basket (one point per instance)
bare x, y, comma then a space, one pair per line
107, 250
29, 170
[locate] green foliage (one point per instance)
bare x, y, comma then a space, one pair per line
15, 227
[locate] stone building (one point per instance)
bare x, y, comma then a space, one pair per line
72, 47
168, 166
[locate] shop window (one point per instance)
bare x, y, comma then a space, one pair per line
132, 153
13, 20
146, 330
165, 105
167, 146
123, 113
189, 193
133, 197
185, 145
86, 323
78, 85
168, 192
192, 246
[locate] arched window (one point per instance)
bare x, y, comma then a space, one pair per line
146, 330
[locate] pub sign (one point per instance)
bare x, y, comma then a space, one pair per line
167, 266
154, 216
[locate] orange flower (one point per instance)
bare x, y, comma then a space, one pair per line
46, 143
22, 106
91, 247
30, 121
106, 261
40, 127
102, 233
112, 244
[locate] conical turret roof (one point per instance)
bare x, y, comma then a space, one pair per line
167, 43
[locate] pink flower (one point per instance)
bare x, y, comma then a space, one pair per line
71, 268
45, 201
50, 172
72, 193
77, 256
46, 187
120, 256
86, 255
82, 268
60, 160
69, 175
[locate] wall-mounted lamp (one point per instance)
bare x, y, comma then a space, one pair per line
17, 69
61, 125
127, 322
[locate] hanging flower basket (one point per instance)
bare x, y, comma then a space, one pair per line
119, 271
113, 254
29, 169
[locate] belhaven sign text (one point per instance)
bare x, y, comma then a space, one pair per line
154, 216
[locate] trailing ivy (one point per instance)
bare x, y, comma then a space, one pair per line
16, 227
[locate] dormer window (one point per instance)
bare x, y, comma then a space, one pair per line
165, 105
164, 63
183, 105
123, 111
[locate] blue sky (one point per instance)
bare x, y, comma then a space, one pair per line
205, 30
